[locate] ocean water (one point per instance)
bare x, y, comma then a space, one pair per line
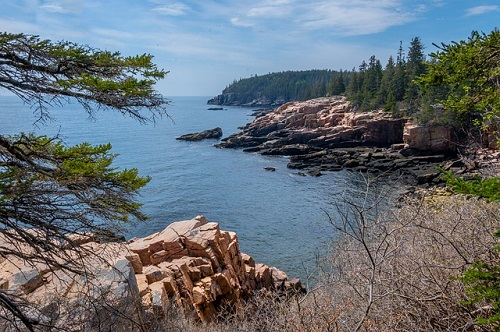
279, 216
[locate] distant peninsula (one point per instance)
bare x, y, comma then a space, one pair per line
275, 89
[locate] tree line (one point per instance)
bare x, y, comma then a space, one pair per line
285, 86
457, 84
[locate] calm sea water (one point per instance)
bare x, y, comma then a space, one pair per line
278, 216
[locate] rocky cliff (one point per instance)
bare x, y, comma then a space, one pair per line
322, 122
329, 134
192, 264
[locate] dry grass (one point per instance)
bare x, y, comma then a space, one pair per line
391, 272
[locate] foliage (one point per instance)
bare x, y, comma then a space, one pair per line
50, 192
470, 69
482, 279
387, 271
483, 285
44, 73
488, 188
392, 88
284, 86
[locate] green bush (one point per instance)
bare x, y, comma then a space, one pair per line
487, 188
483, 286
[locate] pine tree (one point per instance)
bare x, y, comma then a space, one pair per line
337, 86
48, 190
399, 79
414, 68
386, 84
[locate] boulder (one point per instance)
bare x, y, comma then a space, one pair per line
215, 133
433, 139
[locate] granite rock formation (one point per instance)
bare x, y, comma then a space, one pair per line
322, 122
192, 264
428, 138
329, 134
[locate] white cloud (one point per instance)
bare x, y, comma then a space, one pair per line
62, 6
236, 21
362, 17
348, 18
269, 11
170, 8
480, 10
271, 8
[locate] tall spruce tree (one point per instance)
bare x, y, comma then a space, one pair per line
415, 66
385, 94
399, 78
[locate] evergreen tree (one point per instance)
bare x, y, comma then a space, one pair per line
469, 71
386, 83
49, 191
399, 79
337, 86
353, 89
415, 67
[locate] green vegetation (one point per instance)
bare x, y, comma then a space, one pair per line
482, 280
470, 71
283, 86
488, 188
48, 191
34, 69
483, 286
392, 88
461, 76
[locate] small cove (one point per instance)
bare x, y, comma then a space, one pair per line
279, 216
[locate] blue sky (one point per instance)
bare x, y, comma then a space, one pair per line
206, 44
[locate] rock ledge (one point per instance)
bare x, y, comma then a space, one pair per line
192, 264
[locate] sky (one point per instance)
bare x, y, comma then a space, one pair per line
207, 44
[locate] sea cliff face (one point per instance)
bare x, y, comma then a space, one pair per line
192, 264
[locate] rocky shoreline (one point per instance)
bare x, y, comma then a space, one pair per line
249, 100
191, 264
328, 134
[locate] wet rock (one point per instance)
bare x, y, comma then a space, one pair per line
315, 172
215, 133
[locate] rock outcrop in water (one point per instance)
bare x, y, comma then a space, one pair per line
329, 134
191, 263
215, 133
